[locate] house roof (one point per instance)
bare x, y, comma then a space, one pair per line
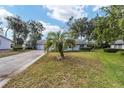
119, 42
79, 41
40, 42
5, 38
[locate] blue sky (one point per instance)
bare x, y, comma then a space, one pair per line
52, 17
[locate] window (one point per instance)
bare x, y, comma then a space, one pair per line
115, 46
81, 46
119, 46
70, 46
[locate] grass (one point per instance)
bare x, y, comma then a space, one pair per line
5, 53
79, 69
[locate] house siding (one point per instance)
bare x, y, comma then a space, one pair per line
5, 43
117, 46
40, 47
112, 46
122, 46
76, 48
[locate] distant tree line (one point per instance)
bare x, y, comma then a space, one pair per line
104, 30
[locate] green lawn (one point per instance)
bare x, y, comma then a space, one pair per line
79, 69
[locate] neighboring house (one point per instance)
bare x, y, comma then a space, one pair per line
119, 44
40, 44
5, 43
79, 44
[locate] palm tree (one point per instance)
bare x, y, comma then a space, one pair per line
78, 27
71, 43
58, 40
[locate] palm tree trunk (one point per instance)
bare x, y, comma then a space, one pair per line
60, 48
62, 54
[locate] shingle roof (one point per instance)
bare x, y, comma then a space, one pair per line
118, 42
79, 41
41, 42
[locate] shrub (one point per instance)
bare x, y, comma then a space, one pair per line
86, 49
121, 50
17, 47
122, 53
111, 50
72, 51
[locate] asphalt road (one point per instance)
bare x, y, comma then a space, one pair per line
10, 64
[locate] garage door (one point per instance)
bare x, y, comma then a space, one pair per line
40, 47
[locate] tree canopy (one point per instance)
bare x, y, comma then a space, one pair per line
102, 29
19, 28
59, 40
22, 30
35, 34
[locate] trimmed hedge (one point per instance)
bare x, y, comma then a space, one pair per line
111, 50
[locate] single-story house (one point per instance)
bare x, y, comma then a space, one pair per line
119, 44
79, 44
5, 43
40, 44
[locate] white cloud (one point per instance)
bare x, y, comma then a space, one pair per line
63, 13
4, 13
49, 28
96, 8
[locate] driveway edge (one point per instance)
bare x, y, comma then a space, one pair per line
3, 82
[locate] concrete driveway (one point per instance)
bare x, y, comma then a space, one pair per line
16, 63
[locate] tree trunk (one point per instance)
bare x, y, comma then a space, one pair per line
14, 38
72, 47
62, 54
60, 48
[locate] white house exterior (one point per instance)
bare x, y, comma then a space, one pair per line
79, 44
119, 44
40, 44
5, 43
